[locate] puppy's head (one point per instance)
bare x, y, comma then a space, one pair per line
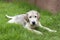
32, 17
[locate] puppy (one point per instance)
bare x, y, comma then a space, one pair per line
30, 21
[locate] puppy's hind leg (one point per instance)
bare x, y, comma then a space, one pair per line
11, 21
9, 16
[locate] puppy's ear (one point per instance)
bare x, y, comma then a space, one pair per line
26, 17
38, 16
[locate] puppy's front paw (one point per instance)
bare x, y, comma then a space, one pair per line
53, 31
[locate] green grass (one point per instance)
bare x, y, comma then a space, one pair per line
17, 32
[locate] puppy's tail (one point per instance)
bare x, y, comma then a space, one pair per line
9, 16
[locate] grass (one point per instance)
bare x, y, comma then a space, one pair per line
17, 32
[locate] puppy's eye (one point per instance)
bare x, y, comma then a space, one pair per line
30, 17
35, 16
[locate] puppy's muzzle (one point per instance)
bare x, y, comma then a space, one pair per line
33, 23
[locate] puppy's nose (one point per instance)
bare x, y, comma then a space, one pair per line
33, 23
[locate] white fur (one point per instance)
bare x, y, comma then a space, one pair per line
20, 19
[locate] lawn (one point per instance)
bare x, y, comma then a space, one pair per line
17, 32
